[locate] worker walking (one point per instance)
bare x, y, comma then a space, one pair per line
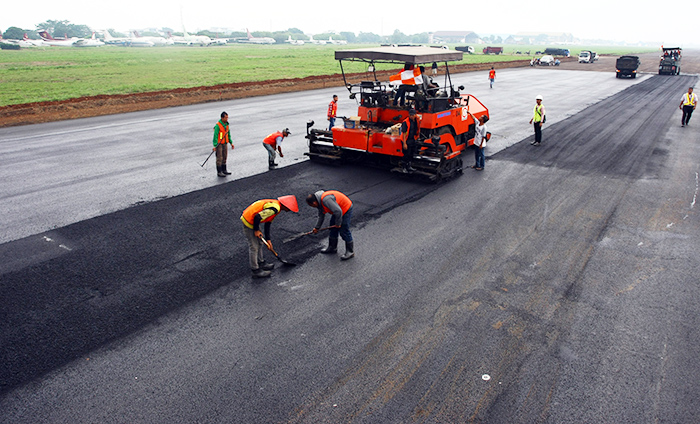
538, 118
689, 102
479, 140
273, 143
492, 76
332, 112
340, 207
263, 212
410, 132
222, 137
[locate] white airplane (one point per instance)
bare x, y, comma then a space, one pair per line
294, 42
312, 41
24, 42
61, 42
257, 40
115, 41
90, 42
332, 41
157, 41
191, 40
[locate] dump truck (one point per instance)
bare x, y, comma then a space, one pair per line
587, 56
670, 62
626, 66
493, 50
373, 135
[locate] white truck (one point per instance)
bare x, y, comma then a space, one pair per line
587, 56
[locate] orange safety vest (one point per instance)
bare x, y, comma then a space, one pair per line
272, 138
408, 129
248, 216
492, 74
223, 133
332, 109
343, 201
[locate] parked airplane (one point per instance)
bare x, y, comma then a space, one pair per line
312, 41
294, 42
63, 42
90, 42
157, 41
257, 40
24, 42
191, 40
126, 41
332, 41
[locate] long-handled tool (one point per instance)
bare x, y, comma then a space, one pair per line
297, 236
205, 160
269, 247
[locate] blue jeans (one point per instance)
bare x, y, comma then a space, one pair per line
479, 157
345, 233
332, 124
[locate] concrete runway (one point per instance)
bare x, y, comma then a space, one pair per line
566, 273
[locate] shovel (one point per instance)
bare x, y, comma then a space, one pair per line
297, 236
275, 253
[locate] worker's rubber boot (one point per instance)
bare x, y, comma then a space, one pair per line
349, 250
219, 172
271, 164
266, 266
223, 169
409, 168
261, 273
332, 246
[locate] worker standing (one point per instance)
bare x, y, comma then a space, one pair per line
492, 76
538, 118
479, 140
689, 102
332, 112
222, 137
263, 212
410, 132
340, 207
272, 143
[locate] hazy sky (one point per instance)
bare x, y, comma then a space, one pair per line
589, 19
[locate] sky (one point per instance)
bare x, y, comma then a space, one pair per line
591, 19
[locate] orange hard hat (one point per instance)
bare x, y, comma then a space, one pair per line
290, 202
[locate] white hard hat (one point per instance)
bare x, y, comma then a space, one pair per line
539, 97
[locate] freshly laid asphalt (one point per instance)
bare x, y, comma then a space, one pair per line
559, 285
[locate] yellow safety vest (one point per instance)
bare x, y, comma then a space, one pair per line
689, 99
538, 114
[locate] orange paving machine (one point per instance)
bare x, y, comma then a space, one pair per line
373, 136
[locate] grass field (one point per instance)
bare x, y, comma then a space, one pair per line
59, 73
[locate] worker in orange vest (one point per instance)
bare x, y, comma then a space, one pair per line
410, 133
332, 112
274, 142
222, 137
492, 76
263, 212
340, 207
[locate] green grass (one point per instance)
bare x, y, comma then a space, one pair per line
59, 73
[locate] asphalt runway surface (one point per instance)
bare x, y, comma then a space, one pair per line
559, 285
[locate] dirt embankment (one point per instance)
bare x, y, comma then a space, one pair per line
83, 107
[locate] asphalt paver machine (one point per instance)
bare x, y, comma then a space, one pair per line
373, 136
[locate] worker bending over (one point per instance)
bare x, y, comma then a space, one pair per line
340, 207
263, 211
274, 142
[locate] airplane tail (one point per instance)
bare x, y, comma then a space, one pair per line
249, 34
107, 35
45, 35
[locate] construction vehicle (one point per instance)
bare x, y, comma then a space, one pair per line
626, 66
670, 63
587, 56
493, 50
373, 136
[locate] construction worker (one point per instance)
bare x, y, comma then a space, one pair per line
538, 118
274, 142
332, 112
263, 211
410, 132
340, 207
689, 102
479, 139
222, 137
492, 76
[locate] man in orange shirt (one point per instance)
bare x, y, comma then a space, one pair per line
332, 112
492, 76
272, 143
339, 206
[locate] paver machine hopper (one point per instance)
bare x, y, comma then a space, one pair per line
373, 135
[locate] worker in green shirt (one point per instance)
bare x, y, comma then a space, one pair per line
222, 137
